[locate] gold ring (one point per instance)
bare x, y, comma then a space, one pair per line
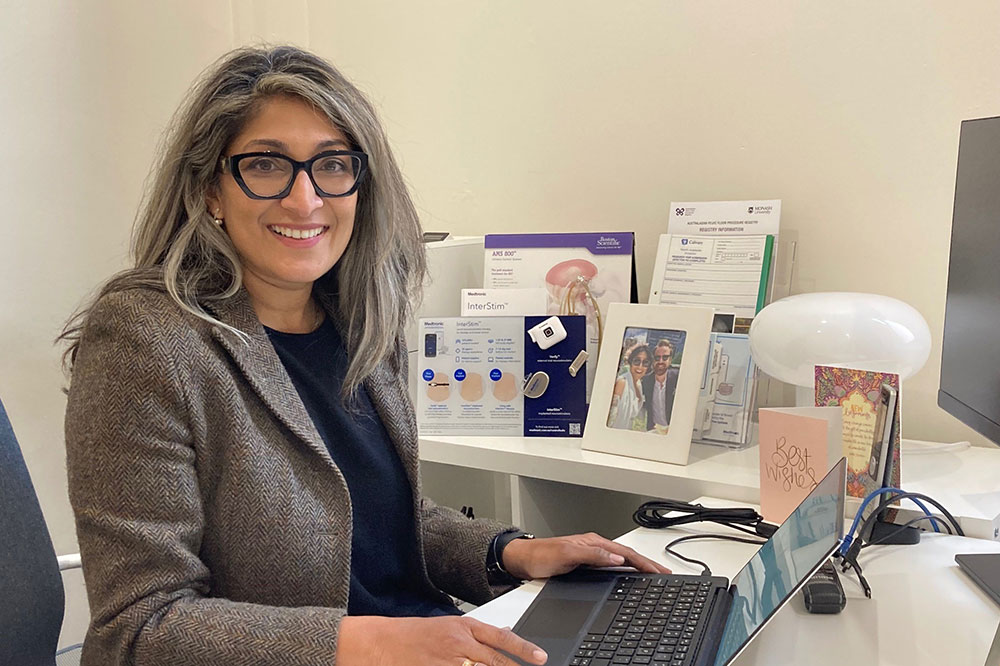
469, 662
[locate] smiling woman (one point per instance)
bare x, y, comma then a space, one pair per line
241, 448
287, 229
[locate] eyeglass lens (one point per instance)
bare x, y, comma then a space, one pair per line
267, 176
662, 357
643, 362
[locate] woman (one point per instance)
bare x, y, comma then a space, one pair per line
627, 404
241, 448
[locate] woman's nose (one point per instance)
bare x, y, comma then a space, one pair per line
302, 199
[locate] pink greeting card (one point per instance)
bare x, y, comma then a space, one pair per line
857, 392
797, 448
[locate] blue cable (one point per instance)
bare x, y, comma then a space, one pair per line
846, 545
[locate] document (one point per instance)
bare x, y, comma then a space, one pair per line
725, 218
726, 273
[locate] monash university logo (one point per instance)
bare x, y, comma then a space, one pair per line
750, 210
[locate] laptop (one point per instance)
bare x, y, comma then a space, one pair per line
984, 570
611, 618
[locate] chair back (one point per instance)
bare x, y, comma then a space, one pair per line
32, 600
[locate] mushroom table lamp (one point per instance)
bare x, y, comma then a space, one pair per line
791, 336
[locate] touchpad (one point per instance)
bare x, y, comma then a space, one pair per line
555, 618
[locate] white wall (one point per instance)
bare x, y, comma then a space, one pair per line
510, 116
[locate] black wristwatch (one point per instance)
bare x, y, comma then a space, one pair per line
495, 573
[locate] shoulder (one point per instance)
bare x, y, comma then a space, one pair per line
140, 326
143, 309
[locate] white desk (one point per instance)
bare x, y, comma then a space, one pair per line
923, 609
965, 482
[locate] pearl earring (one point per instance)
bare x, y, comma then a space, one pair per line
218, 220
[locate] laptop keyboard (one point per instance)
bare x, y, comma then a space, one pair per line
649, 620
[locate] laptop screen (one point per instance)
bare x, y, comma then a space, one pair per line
776, 571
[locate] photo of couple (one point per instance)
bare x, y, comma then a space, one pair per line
643, 396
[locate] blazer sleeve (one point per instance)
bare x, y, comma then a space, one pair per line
455, 551
134, 488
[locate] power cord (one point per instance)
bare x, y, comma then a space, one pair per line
656, 515
706, 571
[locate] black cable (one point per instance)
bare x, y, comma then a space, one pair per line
706, 571
654, 515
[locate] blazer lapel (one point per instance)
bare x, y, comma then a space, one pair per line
263, 369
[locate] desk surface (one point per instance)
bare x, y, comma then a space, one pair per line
923, 609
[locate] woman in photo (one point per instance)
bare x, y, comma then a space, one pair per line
241, 447
627, 403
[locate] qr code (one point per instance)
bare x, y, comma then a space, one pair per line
574, 428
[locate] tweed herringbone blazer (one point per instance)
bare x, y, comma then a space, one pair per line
213, 524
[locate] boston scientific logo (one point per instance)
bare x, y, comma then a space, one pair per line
606, 241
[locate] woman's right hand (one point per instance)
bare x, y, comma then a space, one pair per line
435, 641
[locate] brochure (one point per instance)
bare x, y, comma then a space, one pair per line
735, 392
582, 273
725, 218
474, 375
728, 273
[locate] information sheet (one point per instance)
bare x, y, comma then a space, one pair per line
725, 218
725, 273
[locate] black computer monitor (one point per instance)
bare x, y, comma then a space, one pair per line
970, 354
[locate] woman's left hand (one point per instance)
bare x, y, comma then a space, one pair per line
541, 558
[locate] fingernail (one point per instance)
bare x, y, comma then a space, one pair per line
539, 655
617, 559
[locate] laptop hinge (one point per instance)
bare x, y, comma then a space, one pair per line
708, 642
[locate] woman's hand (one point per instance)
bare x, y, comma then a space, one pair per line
541, 558
435, 641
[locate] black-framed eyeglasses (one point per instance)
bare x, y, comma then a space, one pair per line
662, 357
644, 362
334, 173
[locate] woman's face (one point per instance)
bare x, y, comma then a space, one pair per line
261, 230
639, 365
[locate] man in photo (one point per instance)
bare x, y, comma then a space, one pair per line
658, 388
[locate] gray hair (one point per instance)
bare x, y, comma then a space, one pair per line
177, 248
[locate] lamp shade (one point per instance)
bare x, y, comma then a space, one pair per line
789, 337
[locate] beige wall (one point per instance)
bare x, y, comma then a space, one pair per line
511, 115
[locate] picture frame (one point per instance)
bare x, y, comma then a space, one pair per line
638, 407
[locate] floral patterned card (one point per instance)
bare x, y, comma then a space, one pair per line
857, 393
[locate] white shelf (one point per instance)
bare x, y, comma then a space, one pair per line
965, 481
713, 471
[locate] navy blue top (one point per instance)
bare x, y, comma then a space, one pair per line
385, 568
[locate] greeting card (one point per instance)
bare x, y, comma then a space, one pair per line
797, 447
858, 393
